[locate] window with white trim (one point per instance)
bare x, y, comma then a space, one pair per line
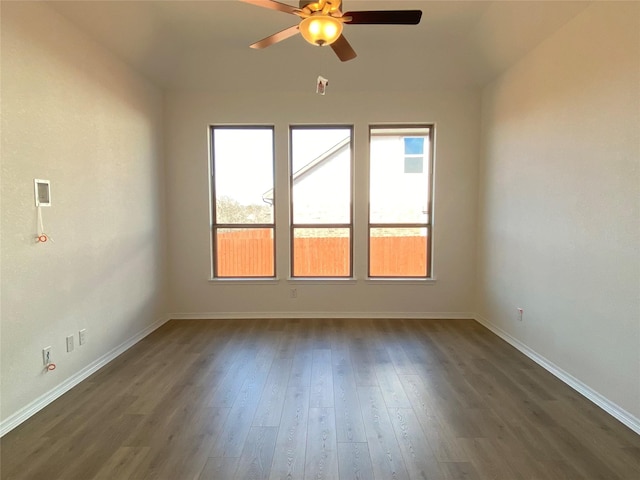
400, 201
321, 201
242, 211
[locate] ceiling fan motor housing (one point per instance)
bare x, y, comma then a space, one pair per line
320, 29
322, 23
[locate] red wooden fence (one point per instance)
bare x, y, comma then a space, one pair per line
321, 257
249, 253
398, 256
245, 253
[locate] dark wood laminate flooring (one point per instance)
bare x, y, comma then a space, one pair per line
321, 399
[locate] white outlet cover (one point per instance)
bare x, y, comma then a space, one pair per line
46, 355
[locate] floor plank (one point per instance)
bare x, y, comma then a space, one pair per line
291, 443
321, 379
354, 461
321, 461
386, 457
269, 409
257, 455
347, 406
419, 459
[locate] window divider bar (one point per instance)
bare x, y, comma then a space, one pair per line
244, 225
399, 225
321, 225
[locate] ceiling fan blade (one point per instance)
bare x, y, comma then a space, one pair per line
273, 5
343, 49
276, 37
384, 17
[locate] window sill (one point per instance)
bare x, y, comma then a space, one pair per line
322, 280
244, 281
403, 281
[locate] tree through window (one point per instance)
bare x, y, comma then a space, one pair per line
242, 170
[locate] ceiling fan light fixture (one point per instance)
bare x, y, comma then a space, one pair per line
321, 30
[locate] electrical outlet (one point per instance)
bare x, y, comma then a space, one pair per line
293, 293
82, 336
46, 355
520, 312
70, 343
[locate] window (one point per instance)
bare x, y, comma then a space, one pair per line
321, 170
242, 212
413, 155
321, 200
400, 201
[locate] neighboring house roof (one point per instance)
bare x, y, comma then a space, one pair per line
310, 167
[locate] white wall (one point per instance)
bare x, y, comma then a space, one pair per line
188, 114
75, 115
559, 216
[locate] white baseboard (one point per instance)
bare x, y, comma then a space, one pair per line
256, 315
607, 405
39, 403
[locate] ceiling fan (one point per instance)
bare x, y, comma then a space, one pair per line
322, 23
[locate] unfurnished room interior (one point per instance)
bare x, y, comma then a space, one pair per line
358, 239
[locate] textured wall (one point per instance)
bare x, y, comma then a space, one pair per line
456, 114
559, 201
75, 115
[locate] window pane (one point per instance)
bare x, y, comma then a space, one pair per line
413, 164
321, 252
243, 175
413, 146
398, 252
321, 175
399, 187
245, 252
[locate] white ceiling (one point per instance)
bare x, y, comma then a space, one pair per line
204, 44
